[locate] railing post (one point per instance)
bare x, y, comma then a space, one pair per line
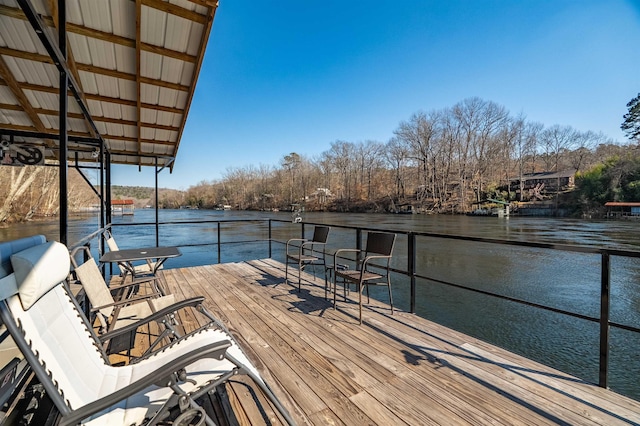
411, 267
269, 238
219, 249
605, 292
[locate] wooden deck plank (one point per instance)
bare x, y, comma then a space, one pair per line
302, 362
391, 362
394, 369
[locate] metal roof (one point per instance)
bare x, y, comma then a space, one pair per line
622, 204
132, 65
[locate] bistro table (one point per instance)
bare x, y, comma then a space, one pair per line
154, 256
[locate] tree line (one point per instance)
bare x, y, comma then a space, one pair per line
34, 191
442, 160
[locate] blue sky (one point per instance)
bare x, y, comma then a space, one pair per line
294, 75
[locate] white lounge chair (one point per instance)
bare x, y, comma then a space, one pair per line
51, 331
14, 368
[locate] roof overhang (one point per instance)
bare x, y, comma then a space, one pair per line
132, 68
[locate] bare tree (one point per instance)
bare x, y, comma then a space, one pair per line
583, 148
342, 154
397, 154
524, 149
291, 163
418, 134
557, 140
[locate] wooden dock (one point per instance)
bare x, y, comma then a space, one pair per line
392, 370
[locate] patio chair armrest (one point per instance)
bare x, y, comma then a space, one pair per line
312, 243
374, 256
136, 281
192, 302
128, 301
295, 240
164, 375
345, 250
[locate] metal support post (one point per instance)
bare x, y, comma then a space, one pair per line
605, 292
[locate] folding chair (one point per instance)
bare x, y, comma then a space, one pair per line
302, 252
51, 331
114, 314
142, 270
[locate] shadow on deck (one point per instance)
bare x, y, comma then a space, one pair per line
394, 369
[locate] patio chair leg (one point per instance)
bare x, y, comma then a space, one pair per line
335, 290
360, 302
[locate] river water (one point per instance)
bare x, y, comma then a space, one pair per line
563, 280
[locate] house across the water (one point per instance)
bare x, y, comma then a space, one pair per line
536, 185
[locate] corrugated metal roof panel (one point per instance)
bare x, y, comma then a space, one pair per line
121, 12
7, 97
19, 35
172, 70
150, 65
50, 122
96, 15
125, 58
169, 118
15, 117
114, 129
178, 30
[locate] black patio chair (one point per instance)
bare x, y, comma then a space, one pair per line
303, 252
379, 246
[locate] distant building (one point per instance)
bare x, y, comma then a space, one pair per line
124, 207
536, 185
617, 209
321, 195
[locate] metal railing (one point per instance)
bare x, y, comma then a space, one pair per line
410, 271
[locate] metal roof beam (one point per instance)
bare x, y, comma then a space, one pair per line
138, 75
42, 135
56, 55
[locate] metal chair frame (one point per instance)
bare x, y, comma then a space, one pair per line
303, 252
379, 246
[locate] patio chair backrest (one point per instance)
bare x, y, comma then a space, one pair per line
113, 246
111, 242
380, 243
320, 234
93, 283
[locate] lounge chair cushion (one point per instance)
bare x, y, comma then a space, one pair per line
10, 247
38, 269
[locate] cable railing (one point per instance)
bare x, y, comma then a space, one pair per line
274, 232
